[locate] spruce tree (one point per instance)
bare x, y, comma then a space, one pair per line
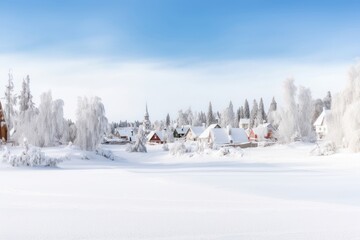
246, 109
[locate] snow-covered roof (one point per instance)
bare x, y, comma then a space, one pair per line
238, 135
221, 136
197, 131
206, 133
262, 130
127, 131
158, 133
182, 130
244, 121
321, 120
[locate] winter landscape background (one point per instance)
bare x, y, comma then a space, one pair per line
179, 120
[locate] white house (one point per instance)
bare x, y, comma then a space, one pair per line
194, 133
126, 133
204, 137
244, 123
227, 136
321, 124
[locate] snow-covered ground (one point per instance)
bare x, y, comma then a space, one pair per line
278, 192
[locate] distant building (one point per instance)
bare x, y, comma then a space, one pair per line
226, 137
262, 132
180, 132
146, 122
244, 123
126, 134
204, 137
194, 133
320, 124
156, 137
3, 125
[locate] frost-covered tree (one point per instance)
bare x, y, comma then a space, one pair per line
25, 123
288, 128
344, 120
140, 144
167, 121
246, 110
261, 115
91, 123
327, 101
71, 134
45, 122
318, 107
227, 118
10, 103
25, 98
253, 114
306, 110
210, 116
59, 123
271, 116
242, 114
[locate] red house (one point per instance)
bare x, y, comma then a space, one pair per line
156, 137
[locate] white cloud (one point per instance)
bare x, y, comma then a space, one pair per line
167, 86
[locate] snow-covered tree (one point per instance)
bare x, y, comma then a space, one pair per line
25, 98
272, 113
318, 107
91, 123
59, 123
71, 134
327, 101
45, 122
10, 103
167, 121
228, 116
25, 123
246, 109
253, 114
201, 119
344, 120
140, 144
288, 128
261, 115
306, 110
242, 113
210, 116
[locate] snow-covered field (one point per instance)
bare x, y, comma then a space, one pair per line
278, 192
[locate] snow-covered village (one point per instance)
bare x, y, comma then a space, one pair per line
179, 120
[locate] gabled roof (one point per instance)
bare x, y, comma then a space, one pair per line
238, 135
221, 136
126, 131
158, 133
206, 133
321, 120
182, 130
197, 131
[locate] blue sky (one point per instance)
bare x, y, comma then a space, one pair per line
179, 34
182, 29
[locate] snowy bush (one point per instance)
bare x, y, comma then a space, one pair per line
30, 157
223, 151
324, 149
105, 153
165, 147
178, 148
